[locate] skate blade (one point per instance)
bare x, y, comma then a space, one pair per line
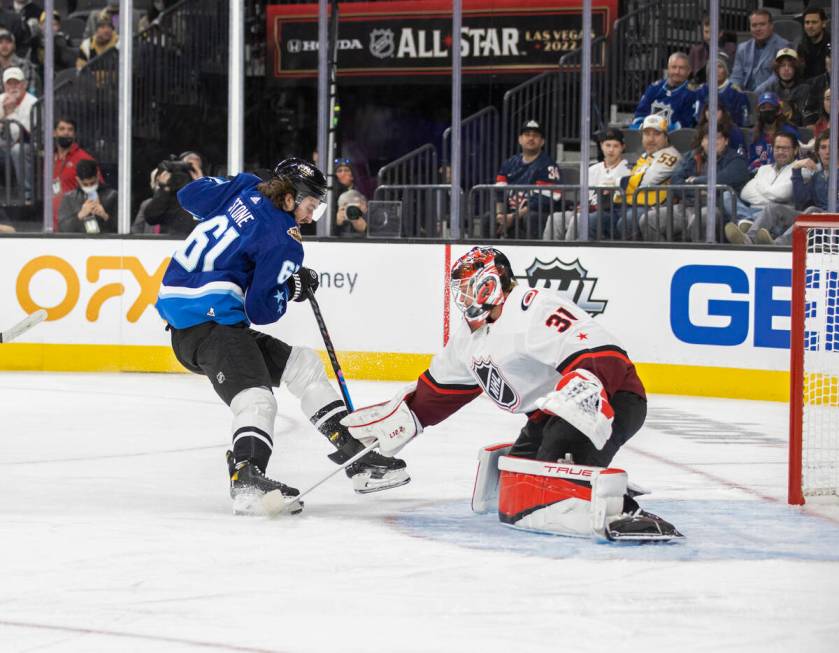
364, 483
275, 503
643, 537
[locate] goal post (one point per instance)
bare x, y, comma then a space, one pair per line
814, 358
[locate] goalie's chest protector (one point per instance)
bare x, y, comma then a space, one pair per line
516, 359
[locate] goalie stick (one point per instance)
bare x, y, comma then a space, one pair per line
23, 326
275, 502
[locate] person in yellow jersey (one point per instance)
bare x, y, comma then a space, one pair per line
653, 168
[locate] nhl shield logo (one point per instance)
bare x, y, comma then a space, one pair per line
494, 384
382, 43
570, 279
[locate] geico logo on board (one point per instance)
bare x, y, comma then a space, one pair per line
721, 305
94, 267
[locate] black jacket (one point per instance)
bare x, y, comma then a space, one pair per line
165, 210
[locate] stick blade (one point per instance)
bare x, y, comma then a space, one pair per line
23, 326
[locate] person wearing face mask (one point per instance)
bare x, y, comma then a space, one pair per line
243, 265
92, 207
68, 154
772, 119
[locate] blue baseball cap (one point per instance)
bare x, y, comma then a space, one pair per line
769, 98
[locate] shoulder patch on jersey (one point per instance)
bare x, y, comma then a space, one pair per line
294, 232
528, 298
495, 385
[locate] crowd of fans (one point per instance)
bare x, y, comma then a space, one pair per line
771, 145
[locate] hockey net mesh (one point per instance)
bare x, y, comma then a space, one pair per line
820, 382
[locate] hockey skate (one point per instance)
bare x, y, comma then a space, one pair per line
641, 526
373, 472
248, 484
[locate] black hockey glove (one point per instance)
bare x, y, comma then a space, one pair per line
301, 282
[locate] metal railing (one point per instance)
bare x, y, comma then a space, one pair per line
480, 147
671, 213
418, 166
425, 208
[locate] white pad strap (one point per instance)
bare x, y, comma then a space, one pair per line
392, 424
485, 492
581, 400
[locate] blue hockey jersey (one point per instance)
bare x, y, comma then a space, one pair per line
234, 266
679, 105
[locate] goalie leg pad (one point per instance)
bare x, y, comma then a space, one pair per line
485, 492
581, 400
557, 497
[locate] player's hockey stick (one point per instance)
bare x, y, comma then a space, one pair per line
276, 503
23, 326
330, 350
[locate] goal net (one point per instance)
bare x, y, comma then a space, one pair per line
814, 359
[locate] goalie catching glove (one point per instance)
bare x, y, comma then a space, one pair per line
580, 399
391, 424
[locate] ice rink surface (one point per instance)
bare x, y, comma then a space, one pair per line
117, 535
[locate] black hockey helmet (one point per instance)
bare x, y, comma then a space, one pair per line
305, 177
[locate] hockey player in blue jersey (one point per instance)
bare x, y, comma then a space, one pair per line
670, 97
241, 265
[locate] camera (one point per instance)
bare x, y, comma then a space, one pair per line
180, 171
354, 213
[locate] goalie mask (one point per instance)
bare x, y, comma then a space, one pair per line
480, 280
306, 179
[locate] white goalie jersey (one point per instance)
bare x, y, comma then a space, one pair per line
518, 359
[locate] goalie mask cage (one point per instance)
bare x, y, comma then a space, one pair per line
814, 359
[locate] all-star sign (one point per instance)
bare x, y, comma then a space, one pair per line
414, 38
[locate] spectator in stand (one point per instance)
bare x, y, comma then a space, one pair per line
754, 59
724, 124
654, 168
771, 120
67, 156
818, 85
823, 121
91, 207
164, 209
103, 39
786, 82
772, 184
153, 14
814, 45
15, 143
29, 13
109, 13
11, 21
344, 176
351, 219
730, 97
732, 170
524, 213
10, 59
773, 225
670, 97
63, 52
605, 173
698, 54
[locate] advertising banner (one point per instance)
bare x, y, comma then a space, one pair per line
695, 320
410, 38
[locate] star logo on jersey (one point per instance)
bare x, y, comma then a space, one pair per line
494, 384
280, 300
571, 279
294, 232
582, 336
